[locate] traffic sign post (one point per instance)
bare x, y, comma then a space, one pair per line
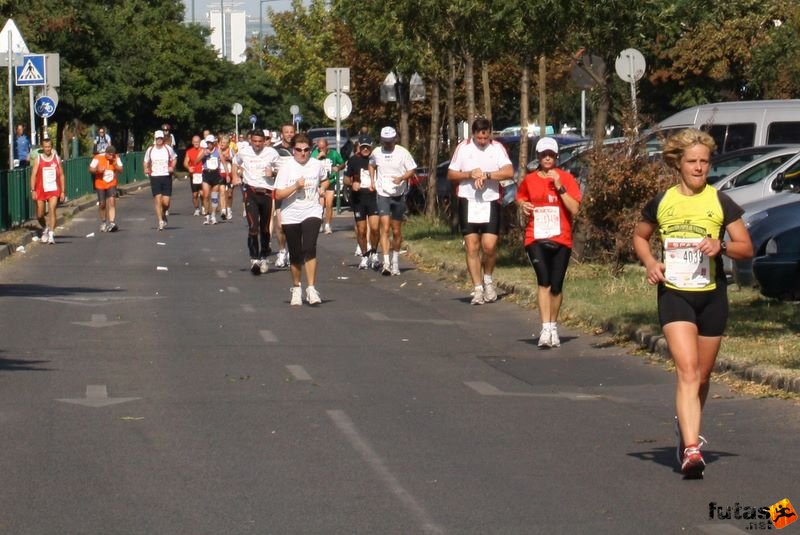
337, 79
630, 66
45, 107
294, 109
32, 71
237, 110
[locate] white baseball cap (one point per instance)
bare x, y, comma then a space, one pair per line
158, 134
547, 144
387, 132
211, 139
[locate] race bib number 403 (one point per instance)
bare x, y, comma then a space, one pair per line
686, 267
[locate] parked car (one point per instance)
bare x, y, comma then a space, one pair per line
726, 163
778, 269
330, 136
784, 178
418, 188
757, 170
763, 226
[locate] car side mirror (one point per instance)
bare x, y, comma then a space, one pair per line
728, 185
779, 182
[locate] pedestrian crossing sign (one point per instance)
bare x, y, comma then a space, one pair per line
32, 71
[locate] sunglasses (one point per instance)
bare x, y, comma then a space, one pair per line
302, 151
548, 154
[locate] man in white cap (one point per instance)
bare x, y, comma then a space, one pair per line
478, 165
390, 168
159, 164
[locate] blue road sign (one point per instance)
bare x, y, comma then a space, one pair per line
253, 119
32, 71
298, 118
44, 107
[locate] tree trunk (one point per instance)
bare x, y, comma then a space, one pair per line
487, 94
433, 153
469, 86
404, 106
451, 105
603, 105
524, 118
542, 95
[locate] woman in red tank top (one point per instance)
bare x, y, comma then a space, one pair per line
47, 188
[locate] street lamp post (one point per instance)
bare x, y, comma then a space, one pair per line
261, 28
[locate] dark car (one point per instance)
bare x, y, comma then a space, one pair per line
330, 136
763, 226
418, 192
778, 269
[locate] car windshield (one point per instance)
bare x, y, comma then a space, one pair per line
760, 171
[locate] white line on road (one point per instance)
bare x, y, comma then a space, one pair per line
298, 372
374, 461
268, 336
222, 274
721, 529
378, 316
250, 309
486, 389
233, 289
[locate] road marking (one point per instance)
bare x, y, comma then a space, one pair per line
250, 309
91, 301
378, 465
98, 320
233, 289
268, 336
486, 389
222, 274
134, 219
379, 316
96, 396
720, 529
298, 372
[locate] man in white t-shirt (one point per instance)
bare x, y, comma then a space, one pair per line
390, 168
478, 165
254, 168
159, 164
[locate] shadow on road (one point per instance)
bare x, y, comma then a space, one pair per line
665, 456
43, 290
21, 365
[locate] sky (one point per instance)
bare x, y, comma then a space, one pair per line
249, 6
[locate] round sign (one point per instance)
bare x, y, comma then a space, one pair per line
237, 109
253, 119
630, 65
345, 106
45, 107
52, 93
294, 109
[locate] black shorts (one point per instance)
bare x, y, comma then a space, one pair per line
708, 310
392, 206
161, 185
492, 227
103, 194
212, 178
196, 187
364, 204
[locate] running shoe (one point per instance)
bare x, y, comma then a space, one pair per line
51, 238
223, 215
207, 220
281, 260
255, 266
478, 297
679, 441
45, 234
263, 265
162, 225
489, 293
693, 464
374, 262
395, 269
213, 219
386, 270
358, 251
196, 212
328, 229
112, 227
312, 296
544, 338
230, 213
103, 227
364, 264
555, 341
297, 296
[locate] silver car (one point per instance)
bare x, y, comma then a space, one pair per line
784, 178
757, 170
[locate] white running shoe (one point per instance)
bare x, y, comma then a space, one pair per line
297, 296
386, 270
312, 296
478, 297
196, 212
489, 293
364, 264
395, 269
263, 265
282, 260
374, 262
230, 213
555, 341
328, 229
207, 220
51, 238
213, 219
544, 338
162, 225
111, 227
103, 227
45, 234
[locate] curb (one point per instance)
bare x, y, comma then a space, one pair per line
656, 344
70, 209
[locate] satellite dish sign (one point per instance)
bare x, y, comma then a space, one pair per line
630, 65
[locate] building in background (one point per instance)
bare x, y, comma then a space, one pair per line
229, 33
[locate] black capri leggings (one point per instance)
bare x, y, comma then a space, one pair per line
301, 240
549, 260
258, 208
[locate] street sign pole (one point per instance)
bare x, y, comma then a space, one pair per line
10, 104
32, 115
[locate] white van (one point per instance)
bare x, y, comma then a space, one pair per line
736, 125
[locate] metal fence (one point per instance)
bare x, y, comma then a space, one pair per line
16, 205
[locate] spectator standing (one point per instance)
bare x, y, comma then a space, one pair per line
22, 146
101, 141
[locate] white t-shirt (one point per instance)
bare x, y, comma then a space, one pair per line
302, 204
390, 165
469, 156
253, 166
159, 159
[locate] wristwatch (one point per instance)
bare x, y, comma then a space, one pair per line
562, 190
723, 247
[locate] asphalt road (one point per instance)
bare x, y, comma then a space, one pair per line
150, 384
